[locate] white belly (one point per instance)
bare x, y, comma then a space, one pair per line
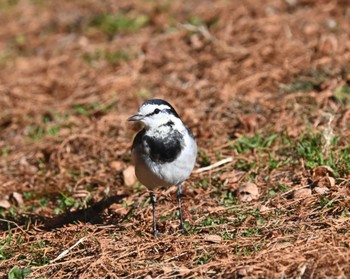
154, 175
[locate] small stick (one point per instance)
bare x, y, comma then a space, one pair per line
11, 222
215, 165
201, 29
65, 252
292, 190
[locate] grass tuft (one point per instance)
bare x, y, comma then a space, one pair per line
112, 24
19, 273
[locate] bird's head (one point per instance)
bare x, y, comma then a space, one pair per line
155, 113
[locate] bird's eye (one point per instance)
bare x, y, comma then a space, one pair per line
156, 111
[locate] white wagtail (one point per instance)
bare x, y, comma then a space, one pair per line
164, 151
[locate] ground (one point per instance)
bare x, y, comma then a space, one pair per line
263, 84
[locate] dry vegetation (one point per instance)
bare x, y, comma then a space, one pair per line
266, 83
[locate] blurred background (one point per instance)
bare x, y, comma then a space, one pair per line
79, 69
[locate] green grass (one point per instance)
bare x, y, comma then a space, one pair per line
278, 150
278, 188
247, 144
251, 232
6, 56
144, 94
112, 57
344, 214
20, 40
38, 254
36, 133
326, 202
203, 158
4, 4
300, 86
211, 221
245, 164
230, 199
169, 216
311, 80
58, 202
342, 94
313, 149
18, 273
196, 20
50, 125
88, 110
5, 246
65, 202
5, 151
203, 183
202, 258
112, 24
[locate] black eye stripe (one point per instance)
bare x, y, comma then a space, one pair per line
167, 110
156, 111
165, 105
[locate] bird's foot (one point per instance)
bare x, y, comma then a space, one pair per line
182, 229
156, 233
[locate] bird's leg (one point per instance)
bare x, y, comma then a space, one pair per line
179, 199
153, 201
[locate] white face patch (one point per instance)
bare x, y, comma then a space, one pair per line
157, 119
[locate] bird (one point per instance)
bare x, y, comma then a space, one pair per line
164, 152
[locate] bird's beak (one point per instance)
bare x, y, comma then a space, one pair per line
136, 117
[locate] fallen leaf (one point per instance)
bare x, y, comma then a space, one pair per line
342, 220
214, 238
325, 182
274, 233
249, 122
5, 204
129, 176
196, 41
167, 269
321, 190
65, 132
282, 245
232, 176
117, 165
345, 191
302, 193
328, 44
170, 190
183, 270
248, 192
17, 197
331, 181
264, 208
244, 271
321, 171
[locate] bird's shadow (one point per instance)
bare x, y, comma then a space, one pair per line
90, 214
